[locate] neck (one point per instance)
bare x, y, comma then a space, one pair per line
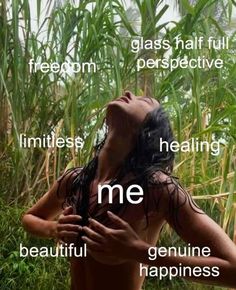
112, 156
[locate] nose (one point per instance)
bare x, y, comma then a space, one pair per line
129, 95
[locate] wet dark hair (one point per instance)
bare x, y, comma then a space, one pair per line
143, 163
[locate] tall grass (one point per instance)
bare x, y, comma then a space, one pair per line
201, 103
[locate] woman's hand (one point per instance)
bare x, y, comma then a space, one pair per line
122, 242
67, 229
41, 219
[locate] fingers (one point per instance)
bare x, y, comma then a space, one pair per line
98, 227
72, 218
67, 234
68, 210
117, 220
93, 235
69, 227
92, 245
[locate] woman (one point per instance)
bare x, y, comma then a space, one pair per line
130, 154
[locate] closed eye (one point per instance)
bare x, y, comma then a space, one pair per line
147, 100
150, 100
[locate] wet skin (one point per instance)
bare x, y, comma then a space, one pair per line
124, 117
101, 271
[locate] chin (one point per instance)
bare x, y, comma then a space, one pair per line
116, 107
116, 103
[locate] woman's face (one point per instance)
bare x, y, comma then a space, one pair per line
130, 109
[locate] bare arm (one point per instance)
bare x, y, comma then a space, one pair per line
196, 228
39, 219
200, 230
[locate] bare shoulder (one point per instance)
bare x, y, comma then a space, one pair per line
162, 184
65, 182
172, 195
51, 203
190, 222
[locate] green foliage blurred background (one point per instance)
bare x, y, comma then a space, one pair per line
201, 103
